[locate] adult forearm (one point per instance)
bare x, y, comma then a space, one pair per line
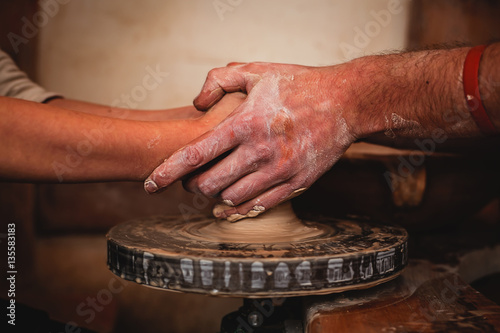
420, 94
45, 143
116, 112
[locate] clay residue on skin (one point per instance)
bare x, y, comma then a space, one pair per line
150, 186
389, 132
259, 208
342, 129
220, 208
403, 126
228, 203
154, 141
296, 193
282, 124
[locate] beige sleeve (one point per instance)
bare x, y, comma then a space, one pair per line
15, 83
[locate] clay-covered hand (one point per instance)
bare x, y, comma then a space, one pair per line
292, 127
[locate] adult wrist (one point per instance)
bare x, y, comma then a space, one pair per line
365, 84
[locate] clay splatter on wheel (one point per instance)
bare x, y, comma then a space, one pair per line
273, 255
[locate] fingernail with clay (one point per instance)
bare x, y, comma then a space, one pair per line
259, 209
228, 202
150, 186
218, 210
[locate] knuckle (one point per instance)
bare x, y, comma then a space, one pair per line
242, 131
256, 65
215, 75
283, 171
212, 74
192, 156
208, 189
244, 127
263, 152
247, 118
160, 174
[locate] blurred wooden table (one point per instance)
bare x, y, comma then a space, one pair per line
425, 298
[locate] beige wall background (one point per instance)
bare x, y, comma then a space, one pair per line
100, 50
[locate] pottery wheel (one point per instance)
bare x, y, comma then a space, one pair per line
273, 255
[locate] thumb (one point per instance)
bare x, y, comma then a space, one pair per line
220, 81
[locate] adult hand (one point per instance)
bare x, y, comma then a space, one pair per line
293, 126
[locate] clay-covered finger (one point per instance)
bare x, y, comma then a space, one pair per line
258, 205
191, 157
225, 80
240, 162
218, 82
249, 187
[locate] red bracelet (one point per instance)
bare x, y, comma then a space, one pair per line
471, 90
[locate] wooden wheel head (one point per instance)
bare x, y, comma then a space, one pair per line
273, 255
